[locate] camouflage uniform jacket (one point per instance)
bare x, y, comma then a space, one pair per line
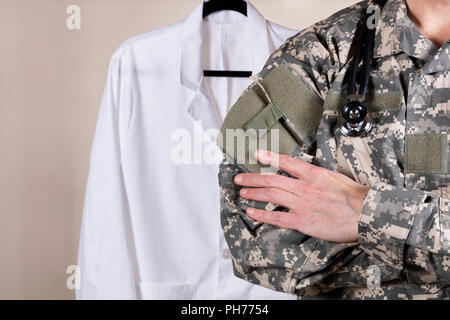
404, 229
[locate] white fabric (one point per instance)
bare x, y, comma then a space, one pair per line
151, 227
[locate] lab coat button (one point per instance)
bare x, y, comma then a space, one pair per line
226, 254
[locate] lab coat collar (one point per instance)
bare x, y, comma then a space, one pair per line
191, 74
191, 68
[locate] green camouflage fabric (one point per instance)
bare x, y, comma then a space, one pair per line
404, 230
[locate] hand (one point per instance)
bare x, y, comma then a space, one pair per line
323, 204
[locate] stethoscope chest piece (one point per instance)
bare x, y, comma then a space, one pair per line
354, 119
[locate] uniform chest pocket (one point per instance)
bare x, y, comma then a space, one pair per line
427, 121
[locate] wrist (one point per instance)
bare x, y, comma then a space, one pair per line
357, 200
357, 203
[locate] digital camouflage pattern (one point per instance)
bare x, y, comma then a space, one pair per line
404, 230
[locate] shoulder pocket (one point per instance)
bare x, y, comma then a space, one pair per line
280, 115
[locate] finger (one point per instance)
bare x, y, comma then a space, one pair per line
274, 195
257, 180
277, 218
295, 167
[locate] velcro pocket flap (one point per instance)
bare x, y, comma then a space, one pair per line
426, 153
265, 120
289, 119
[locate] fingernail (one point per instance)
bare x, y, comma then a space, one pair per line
262, 156
238, 178
250, 211
243, 192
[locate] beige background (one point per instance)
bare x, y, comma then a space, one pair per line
51, 81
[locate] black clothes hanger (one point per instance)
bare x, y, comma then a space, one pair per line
219, 5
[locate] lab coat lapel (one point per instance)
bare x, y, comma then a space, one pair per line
200, 106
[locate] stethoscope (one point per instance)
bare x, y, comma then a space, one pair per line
354, 118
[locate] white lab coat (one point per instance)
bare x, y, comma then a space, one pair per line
151, 226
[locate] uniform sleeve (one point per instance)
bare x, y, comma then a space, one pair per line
263, 254
402, 233
409, 230
403, 236
105, 250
